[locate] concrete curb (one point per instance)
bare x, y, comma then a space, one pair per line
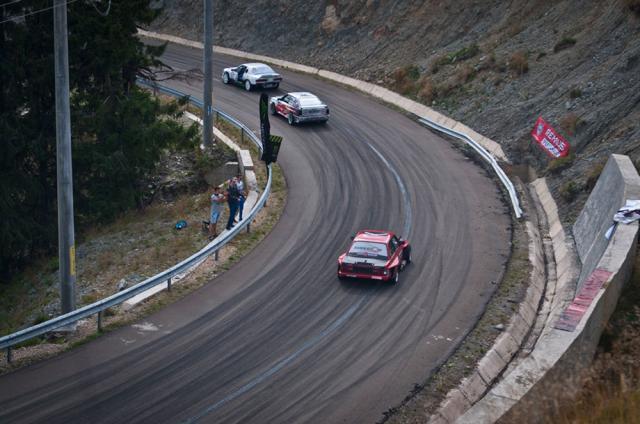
372, 89
539, 382
472, 388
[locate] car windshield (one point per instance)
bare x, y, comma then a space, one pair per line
366, 249
262, 70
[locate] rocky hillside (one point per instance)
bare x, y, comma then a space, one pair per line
494, 65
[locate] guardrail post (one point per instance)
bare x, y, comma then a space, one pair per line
100, 322
9, 355
216, 255
241, 135
248, 228
169, 284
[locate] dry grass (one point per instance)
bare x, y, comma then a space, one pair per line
519, 63
594, 174
404, 79
465, 74
611, 390
427, 92
569, 123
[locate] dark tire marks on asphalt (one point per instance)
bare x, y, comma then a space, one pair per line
260, 343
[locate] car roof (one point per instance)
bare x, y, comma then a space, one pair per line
256, 64
301, 94
377, 236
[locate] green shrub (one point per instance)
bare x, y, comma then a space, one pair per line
404, 79
412, 72
464, 53
556, 166
569, 191
465, 74
575, 92
593, 175
564, 43
89, 298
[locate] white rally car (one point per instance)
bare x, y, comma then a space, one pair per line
299, 107
250, 75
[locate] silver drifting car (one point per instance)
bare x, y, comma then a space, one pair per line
299, 107
250, 75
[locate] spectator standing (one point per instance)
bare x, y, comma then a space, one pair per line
243, 195
217, 198
233, 196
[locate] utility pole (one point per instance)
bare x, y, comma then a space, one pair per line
208, 73
66, 239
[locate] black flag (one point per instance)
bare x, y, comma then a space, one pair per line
274, 147
265, 129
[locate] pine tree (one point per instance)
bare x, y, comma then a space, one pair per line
118, 129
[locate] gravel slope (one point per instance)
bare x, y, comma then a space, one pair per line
582, 60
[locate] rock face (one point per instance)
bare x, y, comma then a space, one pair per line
495, 66
184, 173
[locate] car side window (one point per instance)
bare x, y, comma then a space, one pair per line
287, 99
394, 243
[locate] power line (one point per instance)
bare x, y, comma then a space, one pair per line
10, 3
35, 11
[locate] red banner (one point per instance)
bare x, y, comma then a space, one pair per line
549, 139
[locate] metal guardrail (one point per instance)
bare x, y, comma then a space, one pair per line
6, 342
508, 185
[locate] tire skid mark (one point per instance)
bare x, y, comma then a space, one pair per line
403, 190
273, 370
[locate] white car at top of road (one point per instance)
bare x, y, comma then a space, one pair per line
250, 75
299, 107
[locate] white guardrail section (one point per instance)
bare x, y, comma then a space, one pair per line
487, 148
506, 182
6, 342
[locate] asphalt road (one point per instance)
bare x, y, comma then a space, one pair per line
278, 339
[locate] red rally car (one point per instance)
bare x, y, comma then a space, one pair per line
375, 255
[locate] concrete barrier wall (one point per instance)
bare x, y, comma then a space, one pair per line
550, 374
562, 356
608, 195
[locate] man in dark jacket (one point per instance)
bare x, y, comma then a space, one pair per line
233, 197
